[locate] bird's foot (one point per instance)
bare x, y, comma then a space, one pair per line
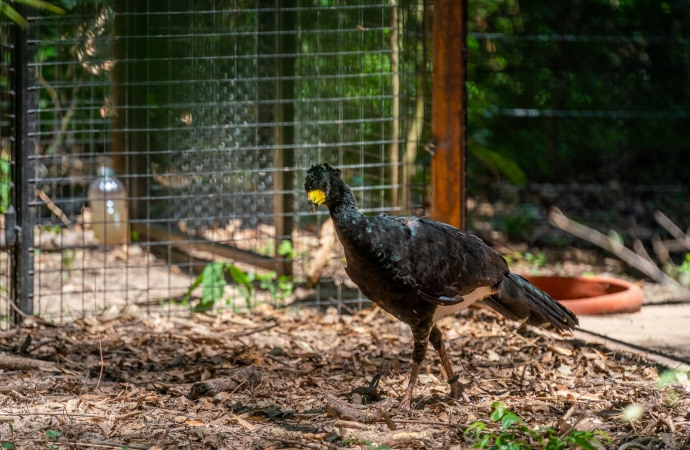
457, 392
460, 395
405, 403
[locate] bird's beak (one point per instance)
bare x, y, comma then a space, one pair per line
316, 199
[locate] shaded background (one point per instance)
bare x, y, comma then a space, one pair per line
201, 105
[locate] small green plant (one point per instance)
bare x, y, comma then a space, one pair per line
285, 249
369, 444
536, 262
69, 256
5, 182
53, 434
212, 280
9, 444
683, 271
516, 435
266, 248
669, 378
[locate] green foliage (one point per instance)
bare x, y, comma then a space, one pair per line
499, 164
69, 256
516, 435
669, 377
5, 183
53, 434
539, 260
580, 110
536, 262
14, 16
369, 444
212, 281
285, 249
684, 271
7, 445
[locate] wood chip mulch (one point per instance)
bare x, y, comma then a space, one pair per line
297, 378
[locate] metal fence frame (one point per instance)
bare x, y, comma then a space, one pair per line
27, 165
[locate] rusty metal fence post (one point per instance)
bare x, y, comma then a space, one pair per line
449, 112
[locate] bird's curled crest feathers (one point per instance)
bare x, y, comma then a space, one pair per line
316, 169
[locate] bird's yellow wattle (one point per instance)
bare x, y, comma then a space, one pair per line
316, 196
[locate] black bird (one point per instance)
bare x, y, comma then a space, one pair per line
420, 270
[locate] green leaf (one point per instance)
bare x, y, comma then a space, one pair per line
476, 428
53, 434
497, 413
238, 275
38, 4
197, 282
285, 249
7, 445
13, 15
483, 443
508, 419
582, 442
500, 163
268, 276
213, 282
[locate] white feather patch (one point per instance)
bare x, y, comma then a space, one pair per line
474, 296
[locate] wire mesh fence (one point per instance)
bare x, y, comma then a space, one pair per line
583, 106
168, 143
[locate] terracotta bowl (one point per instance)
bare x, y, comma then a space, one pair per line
591, 295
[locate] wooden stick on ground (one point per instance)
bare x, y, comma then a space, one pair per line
660, 249
559, 220
672, 228
211, 387
341, 410
10, 362
640, 250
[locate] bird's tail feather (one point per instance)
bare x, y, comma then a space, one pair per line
518, 299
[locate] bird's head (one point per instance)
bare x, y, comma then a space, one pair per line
321, 185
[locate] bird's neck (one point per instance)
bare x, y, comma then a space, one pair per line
343, 208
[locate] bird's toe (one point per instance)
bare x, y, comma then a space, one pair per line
405, 404
458, 393
460, 396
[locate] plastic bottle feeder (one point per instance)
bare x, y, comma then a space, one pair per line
591, 295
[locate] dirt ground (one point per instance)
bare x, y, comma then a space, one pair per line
287, 379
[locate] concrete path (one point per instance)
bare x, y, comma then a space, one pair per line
658, 330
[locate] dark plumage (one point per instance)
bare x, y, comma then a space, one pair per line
420, 270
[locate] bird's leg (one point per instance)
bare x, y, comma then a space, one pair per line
457, 390
406, 402
421, 340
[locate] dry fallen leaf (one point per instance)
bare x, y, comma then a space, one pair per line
244, 423
194, 423
565, 369
560, 350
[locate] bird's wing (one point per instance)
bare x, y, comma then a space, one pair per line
444, 263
